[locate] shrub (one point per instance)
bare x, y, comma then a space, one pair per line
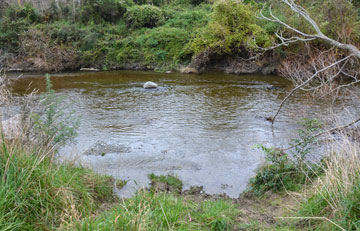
99, 11
282, 172
54, 127
15, 21
231, 28
189, 19
63, 32
27, 12
144, 16
159, 47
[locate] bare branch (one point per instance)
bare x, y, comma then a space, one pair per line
303, 84
305, 37
318, 35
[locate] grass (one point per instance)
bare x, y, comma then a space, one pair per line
162, 211
37, 194
336, 196
166, 183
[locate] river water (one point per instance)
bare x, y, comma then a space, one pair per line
201, 128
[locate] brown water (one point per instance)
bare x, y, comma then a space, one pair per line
201, 128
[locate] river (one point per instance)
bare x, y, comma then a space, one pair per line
201, 128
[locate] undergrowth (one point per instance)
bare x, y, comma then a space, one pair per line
37, 194
161, 211
283, 171
336, 196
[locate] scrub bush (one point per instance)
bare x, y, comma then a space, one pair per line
281, 171
99, 11
232, 27
144, 16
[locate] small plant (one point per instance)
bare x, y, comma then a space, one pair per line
171, 183
54, 124
280, 171
120, 183
306, 140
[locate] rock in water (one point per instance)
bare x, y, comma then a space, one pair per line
150, 85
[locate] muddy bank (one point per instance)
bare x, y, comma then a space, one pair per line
266, 65
243, 63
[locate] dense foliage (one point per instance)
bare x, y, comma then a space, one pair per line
157, 34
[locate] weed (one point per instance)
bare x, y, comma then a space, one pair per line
120, 183
171, 183
53, 126
37, 194
280, 171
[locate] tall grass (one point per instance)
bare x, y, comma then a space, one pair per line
35, 192
336, 196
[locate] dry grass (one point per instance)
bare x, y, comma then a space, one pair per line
334, 201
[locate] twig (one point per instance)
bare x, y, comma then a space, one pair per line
325, 132
303, 84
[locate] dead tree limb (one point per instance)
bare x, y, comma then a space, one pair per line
305, 83
304, 37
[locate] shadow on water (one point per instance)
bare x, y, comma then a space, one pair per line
202, 128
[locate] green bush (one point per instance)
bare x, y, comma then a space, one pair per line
160, 47
54, 127
232, 27
99, 11
27, 12
189, 19
63, 32
144, 16
282, 172
15, 21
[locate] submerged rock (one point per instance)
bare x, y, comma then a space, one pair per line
150, 85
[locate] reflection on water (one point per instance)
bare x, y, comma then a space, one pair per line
201, 128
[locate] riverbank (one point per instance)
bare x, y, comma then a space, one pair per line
286, 193
65, 197
187, 36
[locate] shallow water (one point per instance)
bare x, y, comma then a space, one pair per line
201, 128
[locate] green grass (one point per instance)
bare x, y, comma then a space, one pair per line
336, 198
171, 182
37, 194
152, 211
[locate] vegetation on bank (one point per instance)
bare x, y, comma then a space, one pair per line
39, 194
161, 35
